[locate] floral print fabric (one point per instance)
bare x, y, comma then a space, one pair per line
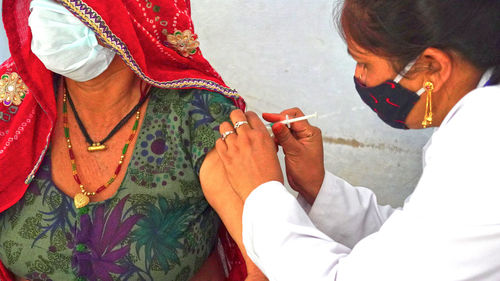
158, 226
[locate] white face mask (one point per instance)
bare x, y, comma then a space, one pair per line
64, 44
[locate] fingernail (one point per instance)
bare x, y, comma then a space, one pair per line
278, 127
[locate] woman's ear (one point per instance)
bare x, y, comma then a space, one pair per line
438, 66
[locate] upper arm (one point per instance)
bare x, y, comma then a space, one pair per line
207, 111
212, 178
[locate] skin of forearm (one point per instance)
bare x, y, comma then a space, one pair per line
225, 201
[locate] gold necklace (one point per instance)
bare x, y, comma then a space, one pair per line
83, 198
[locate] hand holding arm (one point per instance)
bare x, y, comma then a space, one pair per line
249, 154
228, 206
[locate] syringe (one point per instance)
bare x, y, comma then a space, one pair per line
289, 121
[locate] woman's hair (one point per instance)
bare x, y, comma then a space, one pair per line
402, 29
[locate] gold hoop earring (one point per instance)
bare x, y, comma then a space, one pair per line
429, 87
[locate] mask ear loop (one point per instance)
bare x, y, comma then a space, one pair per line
421, 91
405, 70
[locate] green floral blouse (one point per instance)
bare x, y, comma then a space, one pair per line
158, 226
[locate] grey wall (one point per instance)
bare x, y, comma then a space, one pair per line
286, 53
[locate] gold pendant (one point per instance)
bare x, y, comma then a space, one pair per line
81, 200
96, 147
427, 121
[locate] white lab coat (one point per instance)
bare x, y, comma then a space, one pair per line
449, 228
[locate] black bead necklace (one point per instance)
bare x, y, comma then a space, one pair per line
99, 145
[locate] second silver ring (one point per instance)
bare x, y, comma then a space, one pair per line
239, 124
227, 133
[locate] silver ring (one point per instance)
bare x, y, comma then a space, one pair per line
239, 123
225, 134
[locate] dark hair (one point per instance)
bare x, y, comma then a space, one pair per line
403, 29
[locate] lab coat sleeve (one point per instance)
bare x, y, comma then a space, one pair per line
345, 212
291, 232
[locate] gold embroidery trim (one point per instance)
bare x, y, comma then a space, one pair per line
12, 89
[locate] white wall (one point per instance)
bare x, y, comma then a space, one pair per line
287, 53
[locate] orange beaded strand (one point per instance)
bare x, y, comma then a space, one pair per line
82, 199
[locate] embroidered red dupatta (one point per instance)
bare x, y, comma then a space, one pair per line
155, 38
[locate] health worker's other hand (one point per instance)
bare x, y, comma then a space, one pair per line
248, 154
303, 148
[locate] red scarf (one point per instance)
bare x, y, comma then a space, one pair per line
155, 38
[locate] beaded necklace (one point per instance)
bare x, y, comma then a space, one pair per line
99, 145
83, 198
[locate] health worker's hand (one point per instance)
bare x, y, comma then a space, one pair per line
303, 148
228, 205
248, 154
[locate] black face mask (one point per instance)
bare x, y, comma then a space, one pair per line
390, 100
